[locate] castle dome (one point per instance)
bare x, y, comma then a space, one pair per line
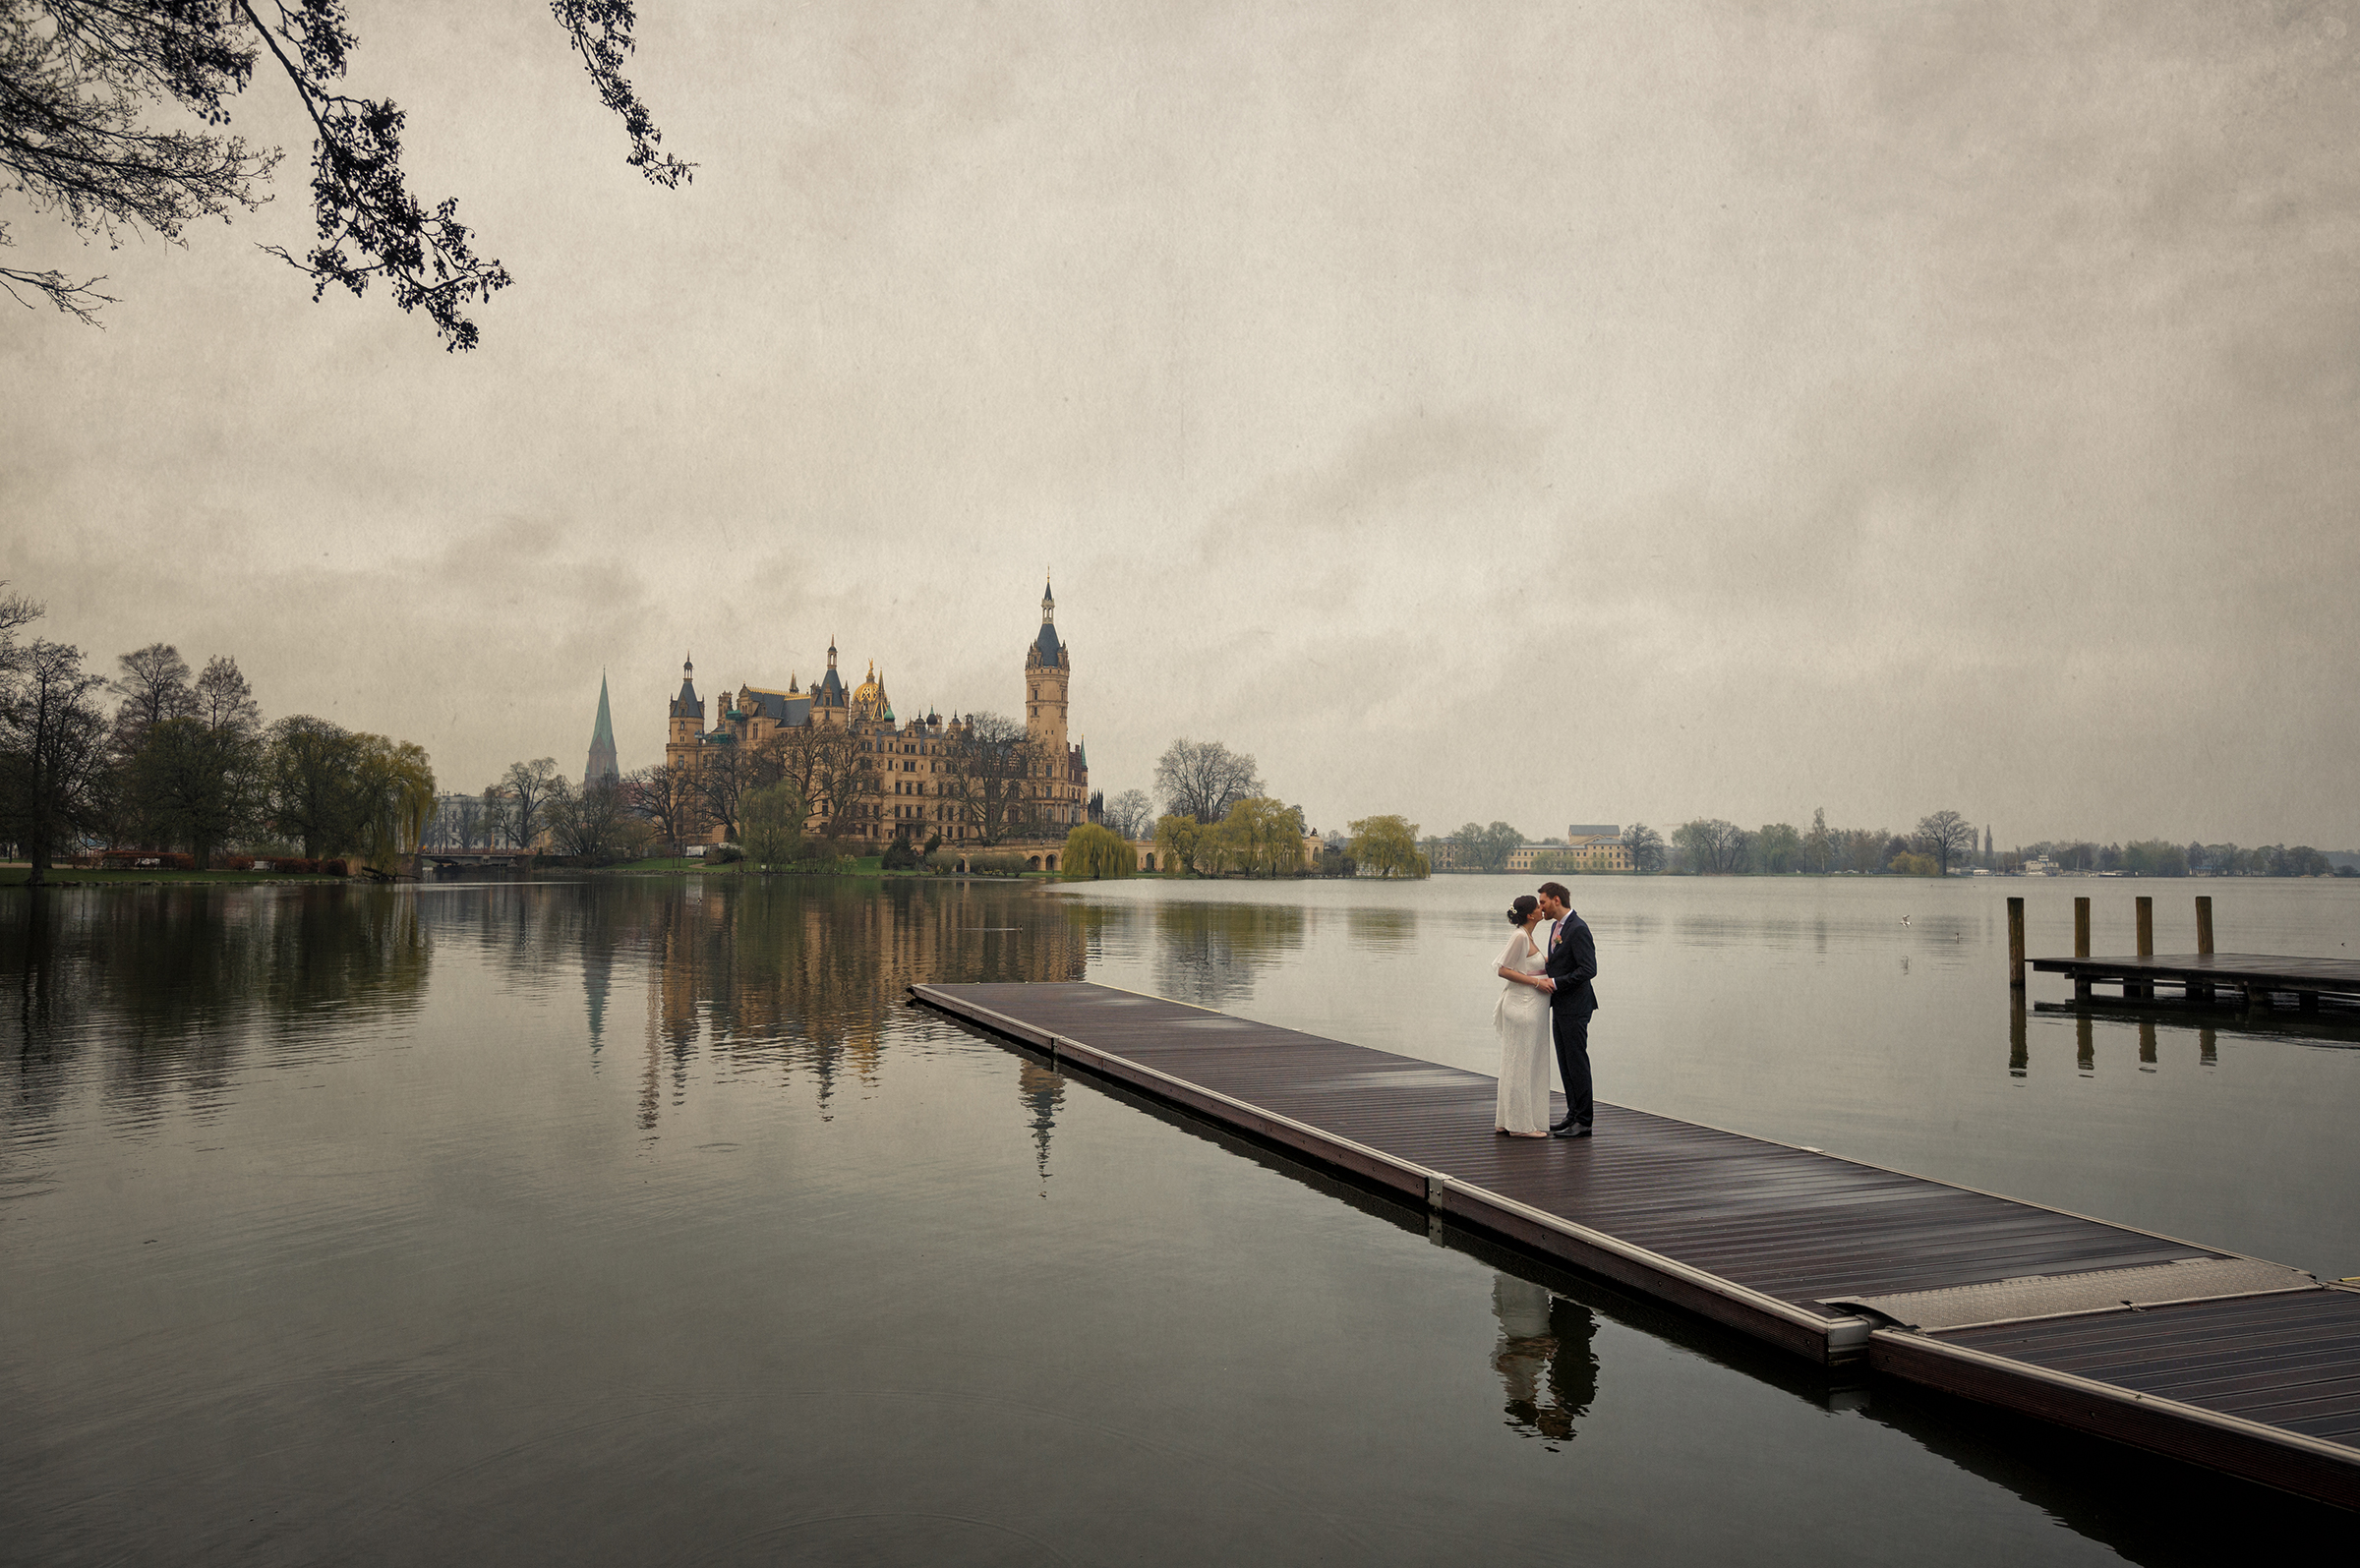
868, 698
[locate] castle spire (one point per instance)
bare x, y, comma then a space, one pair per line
1048, 604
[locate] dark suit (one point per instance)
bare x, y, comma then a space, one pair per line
1572, 964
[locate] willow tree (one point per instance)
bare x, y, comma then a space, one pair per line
396, 784
1094, 851
1178, 840
1388, 846
1259, 837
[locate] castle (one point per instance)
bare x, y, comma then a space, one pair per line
901, 788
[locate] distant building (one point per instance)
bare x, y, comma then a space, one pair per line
601, 763
1592, 848
1595, 846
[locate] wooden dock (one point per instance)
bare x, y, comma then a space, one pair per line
2243, 1365
2258, 978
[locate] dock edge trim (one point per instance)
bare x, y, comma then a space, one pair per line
2114, 1393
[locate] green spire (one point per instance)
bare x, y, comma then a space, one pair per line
601, 763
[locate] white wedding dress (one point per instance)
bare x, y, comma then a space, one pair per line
1521, 1021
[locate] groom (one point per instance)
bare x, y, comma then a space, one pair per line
1572, 964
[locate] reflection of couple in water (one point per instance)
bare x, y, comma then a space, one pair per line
1544, 1349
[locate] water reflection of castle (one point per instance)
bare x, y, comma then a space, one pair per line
1042, 1089
805, 975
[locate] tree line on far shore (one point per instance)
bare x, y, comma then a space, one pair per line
1942, 842
1219, 819
184, 763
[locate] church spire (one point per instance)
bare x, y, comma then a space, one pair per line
601, 763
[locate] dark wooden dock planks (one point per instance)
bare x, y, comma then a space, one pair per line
2253, 972
1760, 1236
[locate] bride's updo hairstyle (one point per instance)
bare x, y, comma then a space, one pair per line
1522, 911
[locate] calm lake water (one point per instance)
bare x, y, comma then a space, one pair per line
640, 1221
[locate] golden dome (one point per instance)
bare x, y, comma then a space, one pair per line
868, 698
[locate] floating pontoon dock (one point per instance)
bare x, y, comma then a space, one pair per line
2243, 1365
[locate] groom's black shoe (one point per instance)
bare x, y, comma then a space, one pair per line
1569, 1130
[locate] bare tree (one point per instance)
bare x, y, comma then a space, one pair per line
1487, 848
16, 611
590, 822
1946, 835
839, 779
1711, 846
52, 750
725, 776
1131, 814
458, 823
823, 763
222, 699
989, 776
1204, 778
666, 795
529, 786
154, 684
1647, 846
492, 821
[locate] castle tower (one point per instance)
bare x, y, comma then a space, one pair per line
1049, 669
687, 720
601, 763
829, 699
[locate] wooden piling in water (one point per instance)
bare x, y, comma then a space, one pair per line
2081, 945
2197, 991
2146, 913
2016, 943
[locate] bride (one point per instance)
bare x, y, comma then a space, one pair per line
1522, 1022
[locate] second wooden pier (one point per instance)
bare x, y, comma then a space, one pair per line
2243, 1365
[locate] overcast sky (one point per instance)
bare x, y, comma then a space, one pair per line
1551, 413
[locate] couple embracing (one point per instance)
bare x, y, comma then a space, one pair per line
1548, 1001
